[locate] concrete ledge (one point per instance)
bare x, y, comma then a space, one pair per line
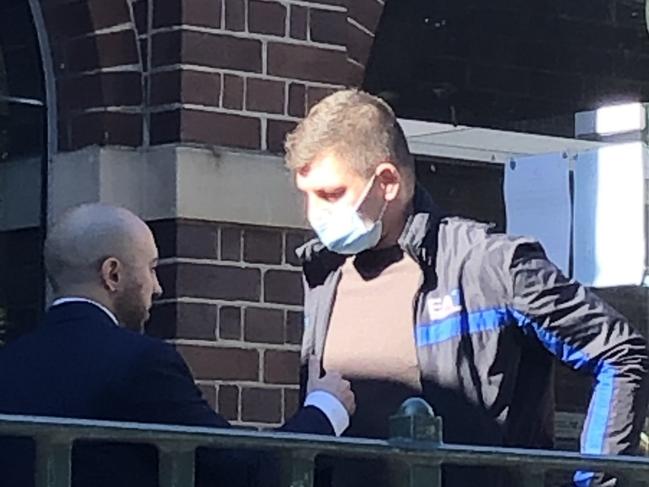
225, 185
237, 187
179, 182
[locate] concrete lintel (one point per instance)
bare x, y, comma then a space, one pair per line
179, 182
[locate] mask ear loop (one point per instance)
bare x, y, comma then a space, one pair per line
365, 192
379, 219
382, 214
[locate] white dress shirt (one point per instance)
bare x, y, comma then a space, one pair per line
326, 402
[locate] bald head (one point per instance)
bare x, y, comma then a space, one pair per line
108, 255
87, 235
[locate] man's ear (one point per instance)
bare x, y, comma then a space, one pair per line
111, 270
390, 180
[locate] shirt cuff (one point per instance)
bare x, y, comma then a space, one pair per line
331, 407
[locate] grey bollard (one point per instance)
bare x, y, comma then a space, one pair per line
415, 422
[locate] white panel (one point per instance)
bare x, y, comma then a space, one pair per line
537, 202
609, 216
480, 144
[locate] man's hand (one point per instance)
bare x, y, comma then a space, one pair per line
333, 383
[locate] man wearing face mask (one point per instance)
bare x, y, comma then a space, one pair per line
404, 302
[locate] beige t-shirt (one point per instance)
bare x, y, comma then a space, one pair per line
371, 336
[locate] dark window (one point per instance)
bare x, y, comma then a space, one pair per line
22, 151
465, 188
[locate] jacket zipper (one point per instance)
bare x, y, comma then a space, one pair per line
318, 348
415, 313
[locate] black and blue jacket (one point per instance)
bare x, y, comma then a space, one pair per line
491, 318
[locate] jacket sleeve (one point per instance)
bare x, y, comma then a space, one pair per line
163, 391
167, 394
588, 335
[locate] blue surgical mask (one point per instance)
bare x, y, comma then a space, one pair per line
344, 231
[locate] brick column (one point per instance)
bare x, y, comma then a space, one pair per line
187, 101
239, 73
234, 310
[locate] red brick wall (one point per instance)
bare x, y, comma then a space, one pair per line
98, 71
235, 73
232, 305
242, 72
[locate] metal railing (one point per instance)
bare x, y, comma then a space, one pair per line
415, 446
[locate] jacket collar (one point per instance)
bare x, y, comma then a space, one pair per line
76, 299
77, 312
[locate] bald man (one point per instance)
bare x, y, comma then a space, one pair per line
108, 256
89, 360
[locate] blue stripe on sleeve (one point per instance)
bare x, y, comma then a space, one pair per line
492, 319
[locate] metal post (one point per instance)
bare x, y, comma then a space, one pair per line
415, 422
297, 469
532, 477
53, 462
176, 465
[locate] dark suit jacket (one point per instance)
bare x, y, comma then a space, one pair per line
79, 364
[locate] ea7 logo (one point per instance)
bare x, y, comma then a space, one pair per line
440, 308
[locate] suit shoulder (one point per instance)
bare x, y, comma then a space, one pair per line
139, 347
142, 355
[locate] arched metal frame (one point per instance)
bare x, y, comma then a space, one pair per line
50, 118
50, 103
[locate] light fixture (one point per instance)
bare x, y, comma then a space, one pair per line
616, 119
